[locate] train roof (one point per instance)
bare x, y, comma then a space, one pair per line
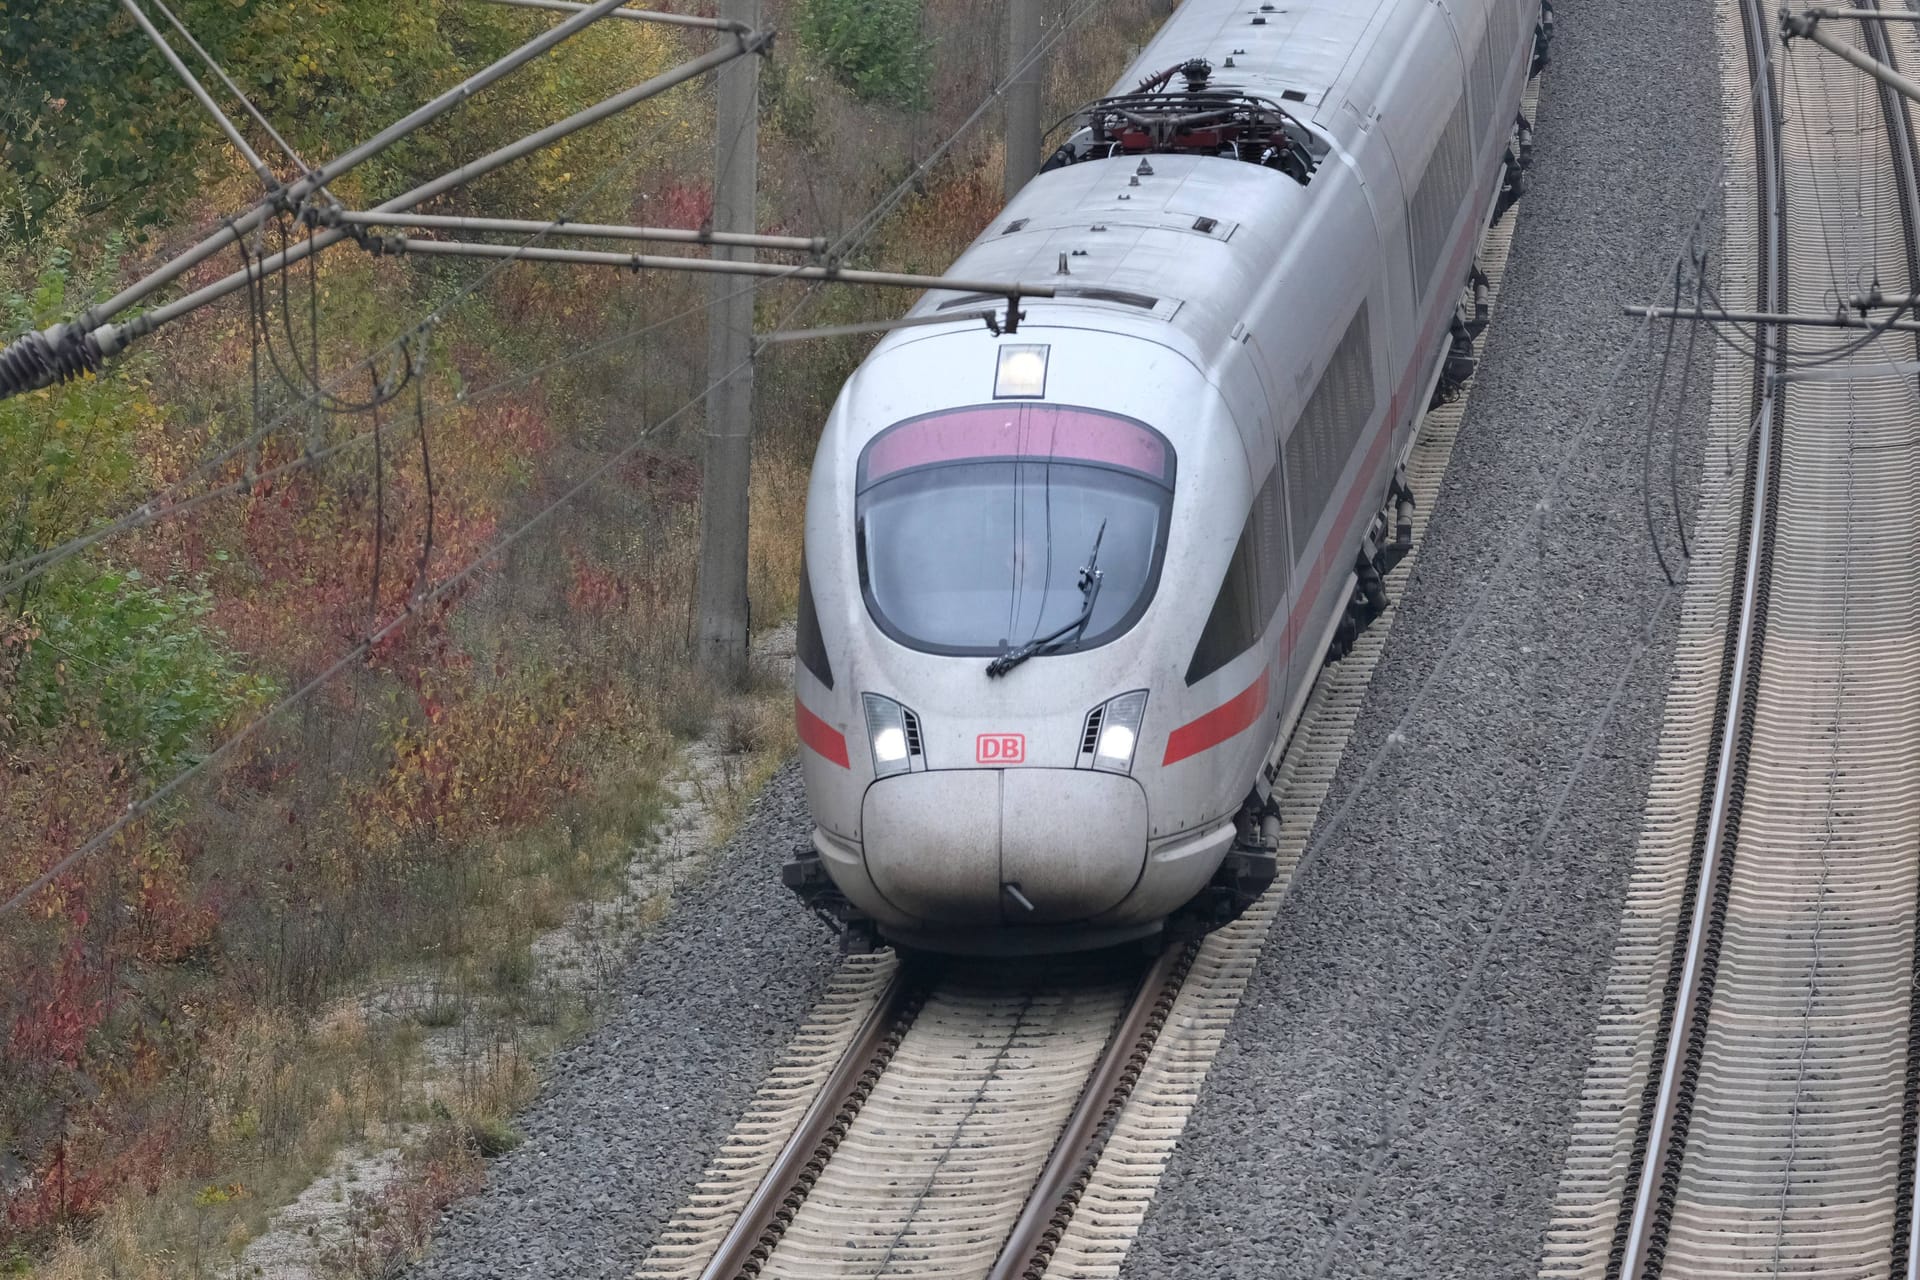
1293, 51
1183, 250
1181, 242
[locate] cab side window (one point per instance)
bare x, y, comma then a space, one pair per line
1254, 588
809, 645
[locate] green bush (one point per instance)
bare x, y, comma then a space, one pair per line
139, 664
67, 455
872, 46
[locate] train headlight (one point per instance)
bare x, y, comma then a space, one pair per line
1021, 371
886, 734
1119, 732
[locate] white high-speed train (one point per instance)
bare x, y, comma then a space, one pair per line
1066, 588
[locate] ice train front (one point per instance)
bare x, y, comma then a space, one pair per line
1011, 546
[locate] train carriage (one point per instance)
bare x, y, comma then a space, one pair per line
1066, 588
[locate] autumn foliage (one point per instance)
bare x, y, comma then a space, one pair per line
510, 691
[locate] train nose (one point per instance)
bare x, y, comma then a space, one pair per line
1005, 846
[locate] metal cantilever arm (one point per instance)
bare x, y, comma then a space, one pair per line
1807, 26
55, 354
40, 359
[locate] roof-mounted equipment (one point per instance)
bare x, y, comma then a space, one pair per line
1202, 119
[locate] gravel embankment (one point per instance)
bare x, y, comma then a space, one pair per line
631, 1114
1382, 1108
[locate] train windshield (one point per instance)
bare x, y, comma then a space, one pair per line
973, 525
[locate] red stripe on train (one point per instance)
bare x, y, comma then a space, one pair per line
1231, 717
1225, 720
821, 736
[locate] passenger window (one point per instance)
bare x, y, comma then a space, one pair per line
1329, 429
1437, 200
1482, 82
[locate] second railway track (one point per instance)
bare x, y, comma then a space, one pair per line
1751, 1108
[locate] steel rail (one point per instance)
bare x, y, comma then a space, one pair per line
746, 1246
1644, 1246
755, 1235
1901, 145
1049, 1208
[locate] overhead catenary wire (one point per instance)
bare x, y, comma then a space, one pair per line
260, 167
864, 227
308, 385
637, 262
155, 510
158, 506
814, 245
851, 240
112, 338
1646, 445
635, 15
66, 350
246, 103
1673, 443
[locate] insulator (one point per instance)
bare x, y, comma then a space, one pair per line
33, 361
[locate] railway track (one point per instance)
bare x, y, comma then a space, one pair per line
956, 1130
1751, 1107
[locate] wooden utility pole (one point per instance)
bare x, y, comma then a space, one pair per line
1023, 93
722, 626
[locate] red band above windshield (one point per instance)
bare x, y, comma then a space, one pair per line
1018, 431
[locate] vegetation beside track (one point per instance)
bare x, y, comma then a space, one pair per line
190, 1027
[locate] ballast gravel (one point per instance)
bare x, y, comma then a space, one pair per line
630, 1115
1394, 1097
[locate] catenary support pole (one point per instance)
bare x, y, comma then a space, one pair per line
721, 638
1023, 93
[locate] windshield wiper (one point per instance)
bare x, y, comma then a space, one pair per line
1090, 576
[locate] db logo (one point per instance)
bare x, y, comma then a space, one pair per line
1000, 748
